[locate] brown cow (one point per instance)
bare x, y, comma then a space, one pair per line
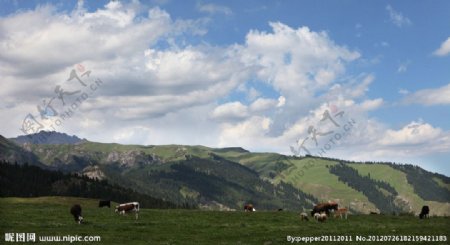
127, 208
324, 207
249, 208
341, 212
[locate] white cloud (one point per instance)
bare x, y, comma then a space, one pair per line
249, 132
397, 18
413, 133
263, 104
212, 8
436, 96
314, 60
162, 96
281, 101
231, 110
369, 105
444, 49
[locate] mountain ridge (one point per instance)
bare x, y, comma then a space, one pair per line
179, 173
47, 137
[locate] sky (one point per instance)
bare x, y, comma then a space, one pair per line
355, 80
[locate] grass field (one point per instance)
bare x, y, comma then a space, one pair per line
47, 216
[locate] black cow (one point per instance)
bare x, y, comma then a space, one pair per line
104, 203
425, 212
76, 212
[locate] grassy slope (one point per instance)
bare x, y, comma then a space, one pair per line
398, 180
441, 183
311, 176
314, 179
50, 216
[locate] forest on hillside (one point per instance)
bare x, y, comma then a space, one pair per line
31, 181
380, 193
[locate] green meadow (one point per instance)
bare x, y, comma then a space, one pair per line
49, 216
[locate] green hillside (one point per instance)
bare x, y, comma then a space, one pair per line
398, 180
312, 176
226, 178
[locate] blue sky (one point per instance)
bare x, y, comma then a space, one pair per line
255, 74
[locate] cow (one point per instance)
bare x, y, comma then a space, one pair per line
128, 208
316, 216
425, 212
104, 203
341, 212
322, 216
249, 208
324, 207
304, 216
76, 213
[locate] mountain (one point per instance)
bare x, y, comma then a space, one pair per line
227, 178
47, 137
11, 152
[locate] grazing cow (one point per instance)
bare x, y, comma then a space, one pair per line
104, 203
425, 212
322, 217
280, 209
324, 207
304, 216
128, 208
316, 216
76, 212
341, 212
249, 208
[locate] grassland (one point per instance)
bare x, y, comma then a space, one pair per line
48, 216
311, 175
399, 181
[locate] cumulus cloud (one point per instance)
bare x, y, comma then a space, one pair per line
413, 133
232, 110
428, 97
444, 49
249, 132
397, 18
263, 104
295, 61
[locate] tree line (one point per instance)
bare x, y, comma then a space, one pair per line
369, 187
31, 181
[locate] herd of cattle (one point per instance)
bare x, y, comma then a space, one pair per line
320, 212
120, 209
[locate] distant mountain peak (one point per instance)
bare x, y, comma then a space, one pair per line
47, 137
